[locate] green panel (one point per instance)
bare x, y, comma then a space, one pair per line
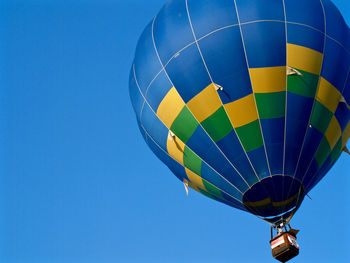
336, 157
322, 152
184, 125
271, 105
305, 85
217, 125
212, 189
203, 192
192, 161
259, 208
337, 150
250, 136
321, 117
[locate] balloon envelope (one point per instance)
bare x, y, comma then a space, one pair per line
247, 102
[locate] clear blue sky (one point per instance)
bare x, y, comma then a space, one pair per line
77, 182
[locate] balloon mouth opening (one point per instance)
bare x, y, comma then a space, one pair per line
273, 196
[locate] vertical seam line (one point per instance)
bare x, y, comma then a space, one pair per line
211, 79
154, 44
256, 106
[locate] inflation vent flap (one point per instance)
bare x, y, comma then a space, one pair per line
346, 150
172, 136
342, 99
292, 71
186, 186
218, 87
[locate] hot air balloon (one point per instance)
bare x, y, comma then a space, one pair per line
246, 102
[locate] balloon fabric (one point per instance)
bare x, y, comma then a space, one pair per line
246, 102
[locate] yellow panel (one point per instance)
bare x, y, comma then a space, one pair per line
194, 187
195, 180
268, 79
286, 202
242, 111
328, 95
346, 135
304, 58
333, 132
170, 107
205, 103
268, 201
264, 202
176, 148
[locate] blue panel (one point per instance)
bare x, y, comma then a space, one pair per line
280, 183
234, 202
305, 12
290, 187
172, 30
263, 41
343, 115
146, 62
154, 126
260, 193
135, 96
310, 173
287, 185
336, 64
316, 175
188, 73
214, 178
258, 159
227, 63
157, 91
234, 151
312, 141
273, 131
326, 167
208, 15
270, 211
291, 159
204, 147
275, 154
335, 24
271, 188
260, 10
294, 188
298, 113
229, 202
346, 92
254, 211
347, 40
174, 166
306, 37
299, 107
141, 129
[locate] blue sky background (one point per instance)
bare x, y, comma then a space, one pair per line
77, 182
